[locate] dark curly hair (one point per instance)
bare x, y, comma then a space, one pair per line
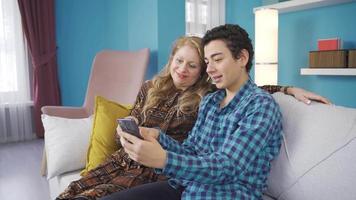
235, 38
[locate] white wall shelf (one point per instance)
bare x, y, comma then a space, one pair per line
329, 71
295, 5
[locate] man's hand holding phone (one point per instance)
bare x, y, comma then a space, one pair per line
146, 151
129, 125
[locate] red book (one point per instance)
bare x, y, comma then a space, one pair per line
329, 44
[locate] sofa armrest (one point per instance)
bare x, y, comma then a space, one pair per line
67, 112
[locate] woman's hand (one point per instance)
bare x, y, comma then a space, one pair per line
147, 152
306, 96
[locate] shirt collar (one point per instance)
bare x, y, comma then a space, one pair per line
245, 89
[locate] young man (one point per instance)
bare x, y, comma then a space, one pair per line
237, 134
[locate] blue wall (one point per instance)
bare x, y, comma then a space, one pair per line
84, 28
142, 30
298, 34
171, 25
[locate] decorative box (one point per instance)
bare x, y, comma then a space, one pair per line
352, 58
329, 44
328, 59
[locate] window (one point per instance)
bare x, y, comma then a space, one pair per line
202, 15
14, 76
15, 105
8, 71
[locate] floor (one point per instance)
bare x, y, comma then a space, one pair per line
20, 171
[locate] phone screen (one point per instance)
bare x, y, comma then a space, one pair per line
129, 125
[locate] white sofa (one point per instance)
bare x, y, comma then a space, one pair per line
317, 158
57, 184
318, 154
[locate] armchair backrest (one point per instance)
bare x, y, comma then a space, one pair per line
116, 75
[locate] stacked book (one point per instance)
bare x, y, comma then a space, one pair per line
328, 59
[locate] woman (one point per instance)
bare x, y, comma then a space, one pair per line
170, 101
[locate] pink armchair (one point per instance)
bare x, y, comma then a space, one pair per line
115, 75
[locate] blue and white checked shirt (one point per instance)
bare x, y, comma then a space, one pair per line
228, 152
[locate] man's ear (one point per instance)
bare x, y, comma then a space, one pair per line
244, 56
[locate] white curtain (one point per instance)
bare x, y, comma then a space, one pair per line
203, 15
15, 101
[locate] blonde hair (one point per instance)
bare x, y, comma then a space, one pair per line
189, 101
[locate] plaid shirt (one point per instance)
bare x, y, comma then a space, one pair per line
228, 152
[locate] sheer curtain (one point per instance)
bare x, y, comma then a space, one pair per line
15, 101
202, 15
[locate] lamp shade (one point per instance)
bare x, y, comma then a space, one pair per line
266, 46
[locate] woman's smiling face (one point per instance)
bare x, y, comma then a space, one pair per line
185, 67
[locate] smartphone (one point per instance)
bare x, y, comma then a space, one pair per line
129, 125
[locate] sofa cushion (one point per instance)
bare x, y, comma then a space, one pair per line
66, 143
315, 161
102, 140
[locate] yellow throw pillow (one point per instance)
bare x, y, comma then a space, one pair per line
102, 141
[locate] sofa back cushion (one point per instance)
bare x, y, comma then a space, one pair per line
316, 159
